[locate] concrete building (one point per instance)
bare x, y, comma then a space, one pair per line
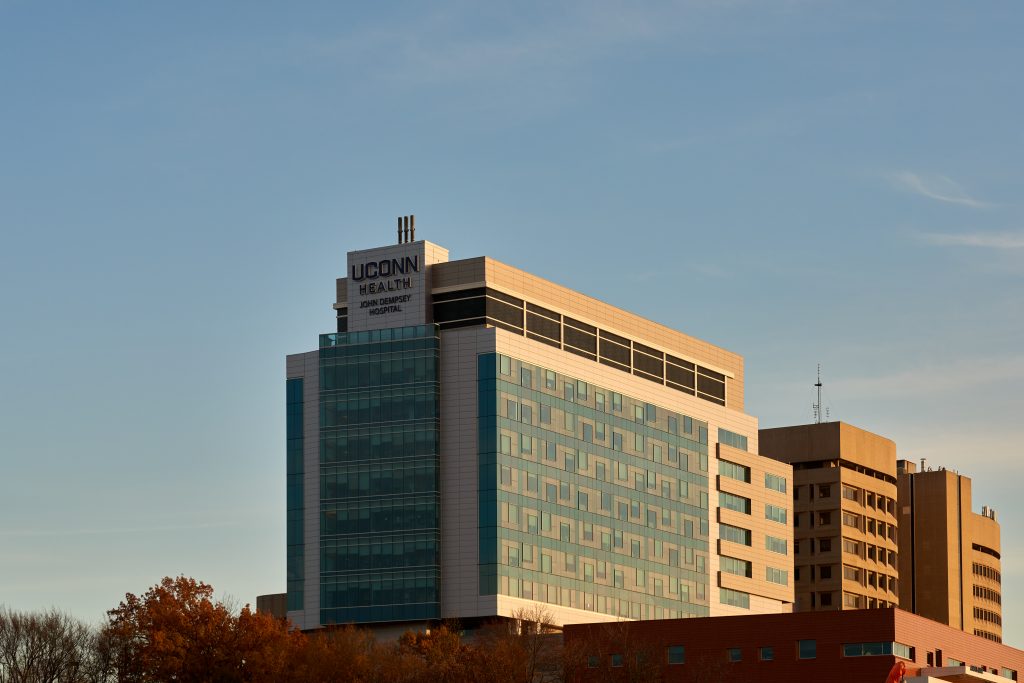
949, 558
474, 440
853, 645
844, 500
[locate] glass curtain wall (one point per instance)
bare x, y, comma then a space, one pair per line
588, 498
379, 475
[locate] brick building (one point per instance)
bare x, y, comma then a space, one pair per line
852, 645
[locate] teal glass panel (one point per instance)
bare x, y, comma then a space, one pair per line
296, 574
609, 507
380, 475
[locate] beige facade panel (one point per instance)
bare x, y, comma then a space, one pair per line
484, 271
830, 440
770, 540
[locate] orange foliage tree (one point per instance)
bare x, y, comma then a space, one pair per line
177, 632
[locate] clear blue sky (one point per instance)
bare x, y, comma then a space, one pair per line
800, 182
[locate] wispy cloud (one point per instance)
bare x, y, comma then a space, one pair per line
37, 533
938, 187
951, 378
987, 240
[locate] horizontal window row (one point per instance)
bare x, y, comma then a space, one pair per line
404, 404
549, 327
392, 337
826, 518
676, 655
387, 515
616, 603
569, 394
988, 615
568, 424
579, 537
379, 552
988, 594
984, 571
379, 442
379, 479
379, 588
392, 369
567, 565
878, 649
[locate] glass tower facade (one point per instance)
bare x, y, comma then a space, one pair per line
379, 475
588, 498
295, 494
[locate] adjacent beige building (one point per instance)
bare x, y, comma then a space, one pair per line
949, 556
844, 502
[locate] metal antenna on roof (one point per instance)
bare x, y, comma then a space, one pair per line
817, 406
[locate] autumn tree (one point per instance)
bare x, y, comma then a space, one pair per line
177, 632
526, 648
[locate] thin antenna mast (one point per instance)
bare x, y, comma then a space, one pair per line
817, 406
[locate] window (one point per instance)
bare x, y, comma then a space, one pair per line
775, 482
735, 598
766, 654
634, 548
551, 451
734, 471
505, 365
526, 378
545, 563
731, 565
531, 524
734, 534
734, 654
807, 649
775, 513
563, 532
851, 520
593, 662
824, 545
616, 441
676, 654
877, 649
616, 661
779, 576
776, 545
732, 439
824, 490
569, 391
545, 414
731, 502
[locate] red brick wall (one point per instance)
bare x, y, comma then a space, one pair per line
707, 640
